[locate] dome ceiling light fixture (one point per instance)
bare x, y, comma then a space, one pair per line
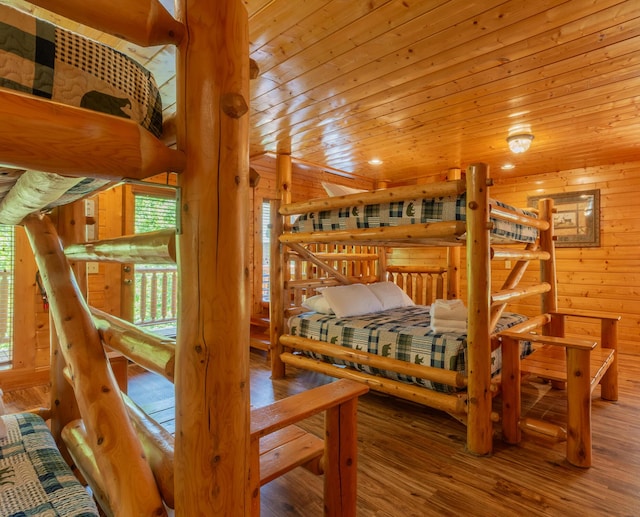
520, 142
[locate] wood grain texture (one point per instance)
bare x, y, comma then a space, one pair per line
127, 479
212, 372
411, 459
51, 137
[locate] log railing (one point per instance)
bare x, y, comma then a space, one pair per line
424, 285
156, 295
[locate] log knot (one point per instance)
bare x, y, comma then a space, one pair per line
234, 105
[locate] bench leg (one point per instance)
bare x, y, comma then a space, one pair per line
511, 391
340, 461
609, 381
578, 408
254, 476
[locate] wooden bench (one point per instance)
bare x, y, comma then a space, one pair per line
571, 361
278, 445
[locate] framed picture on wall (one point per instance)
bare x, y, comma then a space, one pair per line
577, 218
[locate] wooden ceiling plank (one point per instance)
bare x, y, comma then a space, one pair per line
439, 49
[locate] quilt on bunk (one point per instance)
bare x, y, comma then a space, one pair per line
414, 211
38, 58
403, 333
34, 479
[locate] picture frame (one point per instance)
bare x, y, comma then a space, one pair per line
576, 219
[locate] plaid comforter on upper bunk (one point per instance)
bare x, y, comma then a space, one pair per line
414, 211
404, 334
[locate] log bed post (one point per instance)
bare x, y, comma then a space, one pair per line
64, 408
479, 427
212, 471
548, 267
453, 254
278, 263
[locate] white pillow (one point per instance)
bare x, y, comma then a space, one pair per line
352, 300
332, 189
390, 295
317, 303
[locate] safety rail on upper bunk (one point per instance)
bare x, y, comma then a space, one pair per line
43, 135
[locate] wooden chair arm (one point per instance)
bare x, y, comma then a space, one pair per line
580, 344
284, 412
585, 314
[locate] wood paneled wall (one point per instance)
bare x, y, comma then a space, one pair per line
606, 278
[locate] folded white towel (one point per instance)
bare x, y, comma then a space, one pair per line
448, 310
440, 326
3, 429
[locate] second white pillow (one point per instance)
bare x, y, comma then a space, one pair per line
390, 295
352, 300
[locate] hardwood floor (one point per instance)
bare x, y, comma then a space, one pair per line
412, 460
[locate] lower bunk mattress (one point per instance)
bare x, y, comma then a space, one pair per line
34, 478
404, 334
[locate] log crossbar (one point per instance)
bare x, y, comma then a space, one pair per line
67, 135
147, 22
409, 234
150, 248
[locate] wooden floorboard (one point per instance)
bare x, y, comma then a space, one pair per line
412, 460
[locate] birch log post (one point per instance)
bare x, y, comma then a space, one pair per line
64, 407
127, 478
212, 362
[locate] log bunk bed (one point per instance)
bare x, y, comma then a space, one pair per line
465, 393
223, 450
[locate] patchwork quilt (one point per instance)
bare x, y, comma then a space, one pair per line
38, 58
34, 479
404, 334
413, 211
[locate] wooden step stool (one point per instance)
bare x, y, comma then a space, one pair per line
576, 363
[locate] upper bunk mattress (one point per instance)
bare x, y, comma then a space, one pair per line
38, 58
403, 333
414, 211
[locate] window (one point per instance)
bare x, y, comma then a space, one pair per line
266, 243
155, 285
6, 294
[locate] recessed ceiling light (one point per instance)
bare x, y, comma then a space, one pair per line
375, 161
508, 166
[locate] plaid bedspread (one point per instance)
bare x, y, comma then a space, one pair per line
39, 58
403, 334
414, 211
34, 479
